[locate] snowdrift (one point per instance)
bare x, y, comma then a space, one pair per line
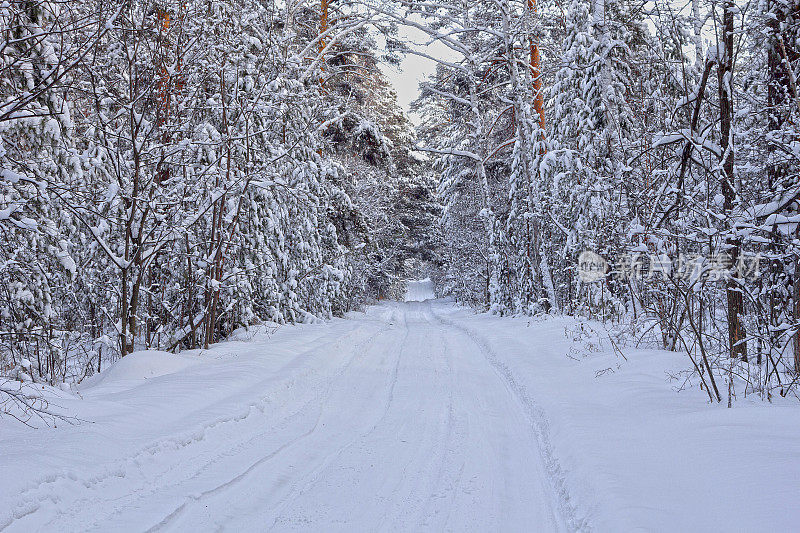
142, 365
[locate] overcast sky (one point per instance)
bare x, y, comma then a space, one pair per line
414, 69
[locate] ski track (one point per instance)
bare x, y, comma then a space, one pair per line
400, 420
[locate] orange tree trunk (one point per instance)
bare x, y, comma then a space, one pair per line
536, 72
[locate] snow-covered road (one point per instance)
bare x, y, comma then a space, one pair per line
396, 420
415, 416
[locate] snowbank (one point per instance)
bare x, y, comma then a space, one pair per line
142, 365
640, 448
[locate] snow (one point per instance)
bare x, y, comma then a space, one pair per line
416, 416
637, 454
142, 365
419, 290
8, 175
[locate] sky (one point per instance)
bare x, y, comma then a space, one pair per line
406, 78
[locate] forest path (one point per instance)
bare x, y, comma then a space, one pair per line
395, 419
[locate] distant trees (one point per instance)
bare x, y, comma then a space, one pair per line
483, 121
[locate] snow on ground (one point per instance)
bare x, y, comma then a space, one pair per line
412, 416
636, 454
143, 365
419, 290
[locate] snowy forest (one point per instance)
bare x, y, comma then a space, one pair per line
256, 274
171, 171
174, 171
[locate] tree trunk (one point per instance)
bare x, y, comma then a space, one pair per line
736, 331
536, 71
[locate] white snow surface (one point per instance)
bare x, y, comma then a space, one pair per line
143, 365
419, 290
415, 416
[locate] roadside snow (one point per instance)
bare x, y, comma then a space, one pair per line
414, 416
636, 453
141, 365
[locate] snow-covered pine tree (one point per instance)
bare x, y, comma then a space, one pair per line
593, 128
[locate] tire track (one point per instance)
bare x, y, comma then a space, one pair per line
122, 467
317, 473
538, 423
359, 351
